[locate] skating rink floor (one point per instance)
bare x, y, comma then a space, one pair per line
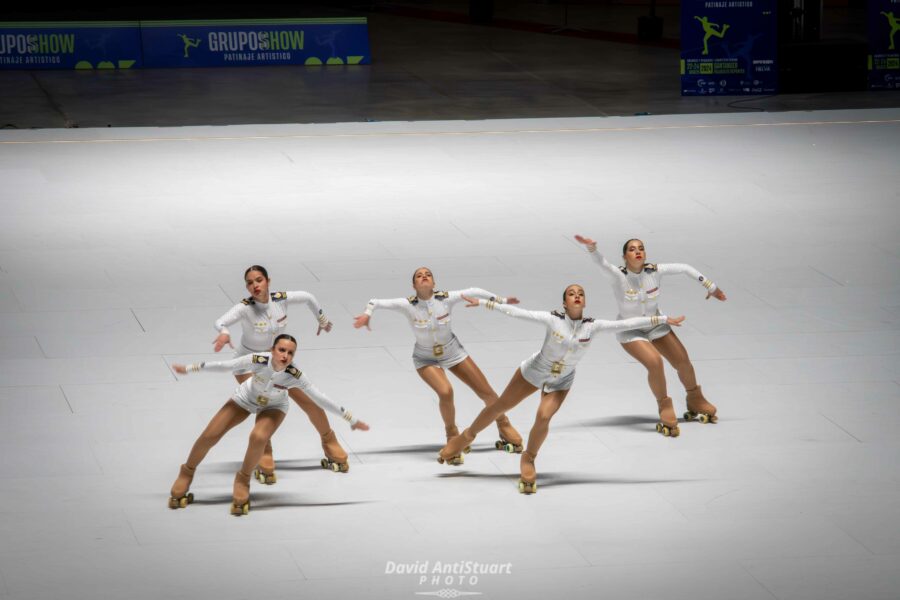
120, 247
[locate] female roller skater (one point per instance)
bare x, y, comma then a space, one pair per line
437, 348
265, 393
636, 287
551, 370
263, 316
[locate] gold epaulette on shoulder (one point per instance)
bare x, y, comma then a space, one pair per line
624, 270
649, 267
442, 295
259, 359
278, 296
588, 320
556, 313
247, 301
413, 300
294, 371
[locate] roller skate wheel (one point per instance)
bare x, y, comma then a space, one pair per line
467, 449
527, 487
183, 502
324, 463
659, 428
666, 431
714, 419
440, 459
499, 444
345, 467
674, 432
336, 467
173, 502
689, 416
457, 460
704, 419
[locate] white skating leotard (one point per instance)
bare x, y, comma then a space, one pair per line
268, 388
430, 319
567, 340
261, 323
637, 293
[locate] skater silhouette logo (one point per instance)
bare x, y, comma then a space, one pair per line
189, 43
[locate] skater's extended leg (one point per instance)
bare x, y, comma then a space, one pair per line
674, 351
225, 419
671, 348
437, 380
267, 423
469, 373
516, 390
550, 403
228, 417
647, 354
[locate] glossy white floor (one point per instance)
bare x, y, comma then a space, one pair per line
119, 249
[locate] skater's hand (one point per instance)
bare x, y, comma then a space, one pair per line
718, 295
591, 244
676, 321
471, 302
361, 425
327, 327
180, 369
221, 340
362, 321
512, 300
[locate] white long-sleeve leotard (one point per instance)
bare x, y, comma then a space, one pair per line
271, 384
637, 294
261, 323
430, 319
567, 339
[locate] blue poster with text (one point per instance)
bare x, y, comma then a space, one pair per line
884, 44
728, 47
235, 43
73, 45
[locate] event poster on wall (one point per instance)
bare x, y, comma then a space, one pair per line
884, 44
235, 43
728, 47
70, 45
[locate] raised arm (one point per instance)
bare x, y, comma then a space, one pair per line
610, 271
313, 304
635, 323
683, 269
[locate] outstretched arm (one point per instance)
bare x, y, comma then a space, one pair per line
392, 304
219, 365
325, 403
513, 311
310, 300
459, 295
683, 269
636, 323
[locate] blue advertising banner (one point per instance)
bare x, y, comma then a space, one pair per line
233, 43
73, 45
728, 47
884, 44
